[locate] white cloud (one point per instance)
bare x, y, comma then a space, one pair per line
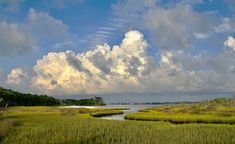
67, 44
227, 25
21, 79
166, 59
96, 70
15, 40
170, 28
48, 28
104, 32
201, 35
16, 76
230, 44
126, 68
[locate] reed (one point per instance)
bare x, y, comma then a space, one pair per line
80, 130
40, 125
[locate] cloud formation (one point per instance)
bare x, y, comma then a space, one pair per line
103, 70
15, 40
227, 25
47, 27
16, 76
127, 68
171, 27
230, 44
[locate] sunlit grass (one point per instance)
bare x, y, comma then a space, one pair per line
40, 125
77, 129
215, 111
40, 110
6, 126
181, 118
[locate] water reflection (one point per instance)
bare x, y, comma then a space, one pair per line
132, 109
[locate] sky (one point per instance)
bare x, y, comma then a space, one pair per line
129, 50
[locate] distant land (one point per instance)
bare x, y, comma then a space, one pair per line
154, 103
13, 98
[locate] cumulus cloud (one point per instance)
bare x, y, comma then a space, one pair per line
21, 79
16, 76
230, 44
127, 68
103, 70
185, 72
15, 40
40, 28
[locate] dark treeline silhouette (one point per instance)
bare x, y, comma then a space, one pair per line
14, 98
97, 101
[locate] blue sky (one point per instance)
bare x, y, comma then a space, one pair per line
85, 17
169, 40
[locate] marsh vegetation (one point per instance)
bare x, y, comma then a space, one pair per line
29, 125
219, 110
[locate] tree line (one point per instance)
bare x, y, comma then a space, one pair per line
13, 98
97, 101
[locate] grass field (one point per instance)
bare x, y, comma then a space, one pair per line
40, 125
214, 111
181, 118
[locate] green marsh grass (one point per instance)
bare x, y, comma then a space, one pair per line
56, 125
181, 118
81, 130
5, 127
215, 111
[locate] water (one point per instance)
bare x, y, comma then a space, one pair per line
132, 109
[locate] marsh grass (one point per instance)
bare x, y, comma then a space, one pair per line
75, 129
61, 126
215, 111
181, 118
23, 111
6, 126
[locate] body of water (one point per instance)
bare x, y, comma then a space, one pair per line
132, 109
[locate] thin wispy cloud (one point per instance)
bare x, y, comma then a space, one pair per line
103, 33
